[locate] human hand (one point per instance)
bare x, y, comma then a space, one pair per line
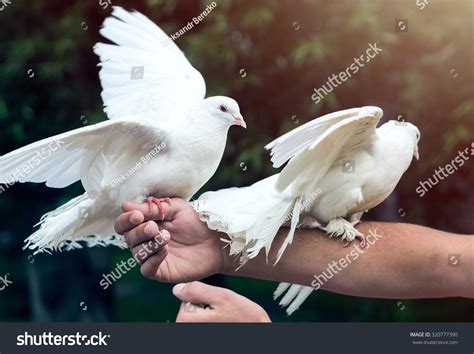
206, 303
193, 252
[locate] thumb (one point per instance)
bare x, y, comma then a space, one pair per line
198, 293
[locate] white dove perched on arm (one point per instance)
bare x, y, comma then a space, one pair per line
316, 189
163, 136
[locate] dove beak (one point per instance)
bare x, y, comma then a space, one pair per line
239, 120
416, 154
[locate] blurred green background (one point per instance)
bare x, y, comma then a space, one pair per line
49, 84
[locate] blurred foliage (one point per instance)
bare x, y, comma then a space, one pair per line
286, 48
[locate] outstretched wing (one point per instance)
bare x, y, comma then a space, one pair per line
310, 164
91, 154
297, 140
145, 72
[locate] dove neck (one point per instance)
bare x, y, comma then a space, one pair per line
203, 136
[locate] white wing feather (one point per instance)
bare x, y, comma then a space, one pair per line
305, 170
82, 154
169, 83
290, 144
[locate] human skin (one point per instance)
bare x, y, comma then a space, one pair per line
407, 261
223, 305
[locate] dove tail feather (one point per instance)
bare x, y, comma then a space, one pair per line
295, 217
266, 227
294, 297
282, 287
250, 216
68, 225
303, 293
290, 295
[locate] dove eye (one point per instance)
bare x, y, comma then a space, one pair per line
223, 108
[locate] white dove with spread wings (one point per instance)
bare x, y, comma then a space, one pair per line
163, 136
316, 188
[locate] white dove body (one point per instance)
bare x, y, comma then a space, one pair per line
315, 189
184, 161
376, 173
377, 170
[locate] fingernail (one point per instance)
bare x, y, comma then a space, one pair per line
149, 229
165, 235
178, 288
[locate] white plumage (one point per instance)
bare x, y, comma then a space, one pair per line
339, 166
163, 140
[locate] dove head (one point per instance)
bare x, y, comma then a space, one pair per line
410, 130
225, 110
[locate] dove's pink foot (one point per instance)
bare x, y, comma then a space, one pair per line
158, 201
361, 239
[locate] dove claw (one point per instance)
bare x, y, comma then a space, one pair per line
361, 239
157, 202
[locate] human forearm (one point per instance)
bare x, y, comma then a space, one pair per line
405, 261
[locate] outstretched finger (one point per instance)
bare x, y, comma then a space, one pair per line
127, 221
200, 293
